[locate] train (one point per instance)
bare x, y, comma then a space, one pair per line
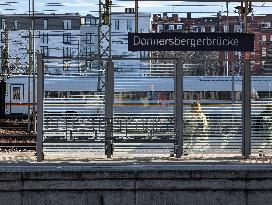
17, 96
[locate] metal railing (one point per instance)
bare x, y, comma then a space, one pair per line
89, 120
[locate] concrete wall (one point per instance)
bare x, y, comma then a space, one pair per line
144, 186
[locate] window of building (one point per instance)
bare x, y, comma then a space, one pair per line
3, 23
89, 38
66, 64
45, 38
238, 28
160, 28
171, 27
44, 50
88, 51
88, 21
129, 25
67, 24
225, 28
93, 21
45, 24
179, 27
263, 38
212, 29
266, 24
2, 37
67, 52
82, 21
67, 38
116, 25
15, 26
89, 65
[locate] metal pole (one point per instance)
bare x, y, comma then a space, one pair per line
246, 146
245, 17
109, 100
178, 112
227, 5
29, 72
232, 81
99, 47
246, 104
136, 16
40, 96
29, 81
33, 70
110, 33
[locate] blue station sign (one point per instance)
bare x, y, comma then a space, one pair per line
176, 41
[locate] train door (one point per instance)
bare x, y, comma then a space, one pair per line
16, 98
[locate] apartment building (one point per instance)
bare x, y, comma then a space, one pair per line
197, 62
123, 23
261, 26
55, 35
66, 36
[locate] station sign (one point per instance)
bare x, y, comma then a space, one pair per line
176, 41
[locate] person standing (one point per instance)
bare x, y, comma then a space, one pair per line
195, 128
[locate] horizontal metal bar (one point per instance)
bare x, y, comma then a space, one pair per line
122, 58
204, 0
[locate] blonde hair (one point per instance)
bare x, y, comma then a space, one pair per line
196, 106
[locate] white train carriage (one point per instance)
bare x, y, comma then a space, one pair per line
131, 90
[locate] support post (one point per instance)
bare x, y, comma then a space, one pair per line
136, 15
178, 106
40, 96
246, 90
109, 100
33, 69
246, 110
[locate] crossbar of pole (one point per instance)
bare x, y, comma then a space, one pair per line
178, 95
109, 100
40, 96
202, 0
141, 59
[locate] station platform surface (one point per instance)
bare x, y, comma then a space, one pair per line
28, 158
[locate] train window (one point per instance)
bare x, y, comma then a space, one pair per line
16, 92
62, 94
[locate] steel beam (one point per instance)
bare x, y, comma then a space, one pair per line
202, 0
178, 106
109, 100
40, 96
104, 39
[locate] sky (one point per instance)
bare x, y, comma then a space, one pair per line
91, 7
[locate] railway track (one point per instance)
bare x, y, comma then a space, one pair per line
17, 142
14, 136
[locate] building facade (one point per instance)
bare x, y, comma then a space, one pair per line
229, 62
55, 35
66, 36
123, 23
